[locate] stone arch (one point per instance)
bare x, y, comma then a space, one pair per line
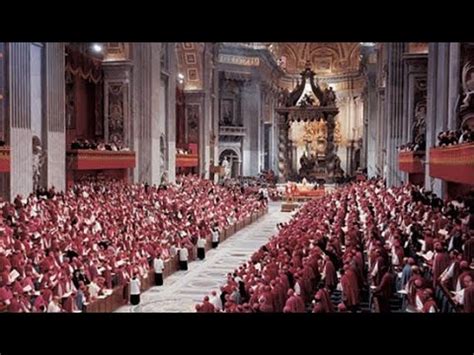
234, 158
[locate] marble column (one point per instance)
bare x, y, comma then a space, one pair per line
21, 161
282, 149
207, 127
4, 126
414, 93
370, 114
146, 76
117, 122
394, 110
55, 116
170, 116
454, 83
250, 117
432, 184
215, 99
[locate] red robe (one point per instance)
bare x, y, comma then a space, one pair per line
440, 263
469, 250
383, 292
4, 261
469, 299
295, 304
325, 306
428, 304
5, 294
331, 275
39, 301
207, 307
15, 306
350, 288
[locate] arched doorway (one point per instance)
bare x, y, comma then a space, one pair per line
234, 161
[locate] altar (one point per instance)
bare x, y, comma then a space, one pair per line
308, 133
296, 193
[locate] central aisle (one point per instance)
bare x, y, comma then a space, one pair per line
182, 290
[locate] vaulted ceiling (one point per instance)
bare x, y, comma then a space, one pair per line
326, 58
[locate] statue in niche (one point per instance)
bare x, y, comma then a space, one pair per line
307, 100
337, 134
283, 97
228, 112
329, 97
164, 178
226, 165
419, 125
467, 84
39, 158
307, 164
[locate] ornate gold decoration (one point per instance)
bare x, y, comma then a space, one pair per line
337, 133
314, 137
116, 51
239, 60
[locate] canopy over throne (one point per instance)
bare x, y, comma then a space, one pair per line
315, 107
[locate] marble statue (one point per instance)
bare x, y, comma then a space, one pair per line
39, 158
467, 84
226, 165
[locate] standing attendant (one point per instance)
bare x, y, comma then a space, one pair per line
135, 290
201, 248
158, 266
183, 258
215, 237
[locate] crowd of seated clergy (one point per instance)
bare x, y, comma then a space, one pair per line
59, 251
252, 185
183, 151
363, 238
85, 144
454, 137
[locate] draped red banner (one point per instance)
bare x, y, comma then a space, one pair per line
77, 63
4, 160
454, 163
410, 162
187, 160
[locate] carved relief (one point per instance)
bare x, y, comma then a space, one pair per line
193, 123
39, 158
467, 84
239, 60
70, 102
116, 112
419, 124
116, 51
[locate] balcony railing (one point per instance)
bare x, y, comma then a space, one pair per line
100, 160
187, 160
453, 163
411, 162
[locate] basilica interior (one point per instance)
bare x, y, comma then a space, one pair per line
299, 121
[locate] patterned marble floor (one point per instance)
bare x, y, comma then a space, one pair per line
182, 290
